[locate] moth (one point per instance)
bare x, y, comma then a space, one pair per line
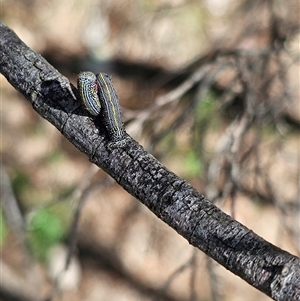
99, 95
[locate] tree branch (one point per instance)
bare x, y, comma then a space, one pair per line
263, 265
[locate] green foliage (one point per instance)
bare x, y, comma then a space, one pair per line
192, 164
3, 228
46, 229
55, 157
20, 183
206, 108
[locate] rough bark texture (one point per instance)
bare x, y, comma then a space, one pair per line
263, 265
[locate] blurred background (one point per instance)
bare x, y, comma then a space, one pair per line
210, 88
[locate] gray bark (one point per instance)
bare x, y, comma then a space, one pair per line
264, 266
